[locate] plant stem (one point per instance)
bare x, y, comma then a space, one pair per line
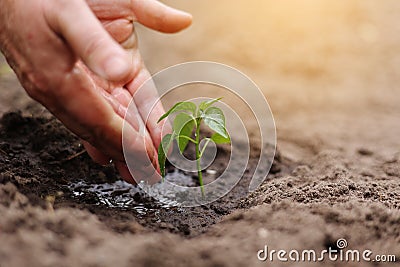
197, 144
204, 147
188, 138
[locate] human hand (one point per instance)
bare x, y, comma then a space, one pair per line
66, 60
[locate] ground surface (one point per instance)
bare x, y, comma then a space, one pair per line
331, 74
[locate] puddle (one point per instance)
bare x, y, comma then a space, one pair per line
121, 194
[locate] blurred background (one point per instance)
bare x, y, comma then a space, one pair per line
313, 50
329, 69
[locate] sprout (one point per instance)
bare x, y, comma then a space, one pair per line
189, 119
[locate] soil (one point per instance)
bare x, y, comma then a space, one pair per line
330, 73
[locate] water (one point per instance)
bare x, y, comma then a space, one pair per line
121, 194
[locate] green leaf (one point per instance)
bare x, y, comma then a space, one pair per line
215, 119
162, 152
180, 106
206, 104
183, 127
219, 139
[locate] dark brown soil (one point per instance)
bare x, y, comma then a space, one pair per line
42, 159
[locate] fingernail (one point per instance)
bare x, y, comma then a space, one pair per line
116, 68
187, 16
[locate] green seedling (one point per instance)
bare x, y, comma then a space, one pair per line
188, 120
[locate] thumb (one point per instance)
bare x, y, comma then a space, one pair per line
157, 16
83, 32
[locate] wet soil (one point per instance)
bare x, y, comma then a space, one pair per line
48, 164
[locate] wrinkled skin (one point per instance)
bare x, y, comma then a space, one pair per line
81, 61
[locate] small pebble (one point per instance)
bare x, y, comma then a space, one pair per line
212, 172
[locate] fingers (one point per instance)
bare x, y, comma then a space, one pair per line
100, 124
120, 99
83, 110
97, 156
150, 13
89, 40
79, 106
122, 31
116, 16
150, 108
148, 176
131, 114
124, 172
157, 16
